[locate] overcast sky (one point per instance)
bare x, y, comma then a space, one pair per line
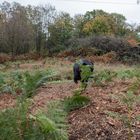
129, 8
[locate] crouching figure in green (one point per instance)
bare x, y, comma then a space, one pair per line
83, 70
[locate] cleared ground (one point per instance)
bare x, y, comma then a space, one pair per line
90, 122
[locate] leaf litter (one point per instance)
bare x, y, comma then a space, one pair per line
89, 122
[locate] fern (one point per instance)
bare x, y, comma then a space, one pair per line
53, 124
23, 82
135, 86
75, 102
41, 81
128, 74
104, 76
15, 124
1, 79
32, 82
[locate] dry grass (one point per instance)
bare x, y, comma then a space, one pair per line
113, 67
61, 66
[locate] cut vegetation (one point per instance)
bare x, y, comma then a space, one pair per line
53, 108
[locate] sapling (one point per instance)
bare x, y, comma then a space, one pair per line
78, 101
86, 73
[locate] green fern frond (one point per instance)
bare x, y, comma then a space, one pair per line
75, 102
53, 123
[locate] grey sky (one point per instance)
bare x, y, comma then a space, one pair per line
128, 8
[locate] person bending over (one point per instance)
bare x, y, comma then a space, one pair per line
83, 70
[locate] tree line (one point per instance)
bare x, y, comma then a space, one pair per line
43, 30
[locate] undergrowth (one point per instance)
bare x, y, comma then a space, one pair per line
105, 76
75, 102
53, 123
129, 100
15, 124
24, 83
19, 124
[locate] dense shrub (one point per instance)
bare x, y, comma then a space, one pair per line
100, 46
130, 55
104, 43
80, 51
